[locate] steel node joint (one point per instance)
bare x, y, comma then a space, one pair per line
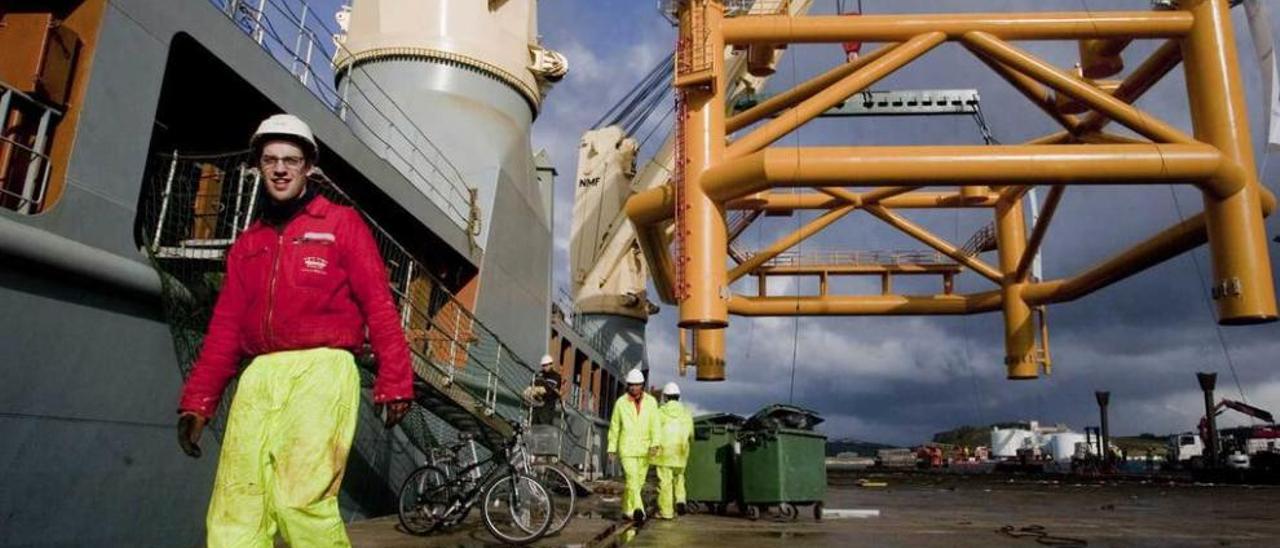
737, 178
651, 206
1228, 180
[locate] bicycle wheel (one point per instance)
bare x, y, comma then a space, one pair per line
425, 498
563, 495
517, 509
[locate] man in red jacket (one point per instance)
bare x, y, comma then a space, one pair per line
303, 283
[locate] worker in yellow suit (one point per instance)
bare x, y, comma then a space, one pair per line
633, 438
674, 437
305, 287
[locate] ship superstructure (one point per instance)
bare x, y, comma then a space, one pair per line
125, 180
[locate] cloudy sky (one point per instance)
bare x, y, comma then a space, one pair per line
902, 379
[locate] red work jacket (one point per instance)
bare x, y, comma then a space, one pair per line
317, 282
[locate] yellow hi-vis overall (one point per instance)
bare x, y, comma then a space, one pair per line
631, 435
284, 452
674, 437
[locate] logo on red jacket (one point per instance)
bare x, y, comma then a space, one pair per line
314, 265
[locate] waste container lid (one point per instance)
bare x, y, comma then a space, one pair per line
781, 415
728, 419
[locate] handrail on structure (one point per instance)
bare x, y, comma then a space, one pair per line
303, 43
16, 152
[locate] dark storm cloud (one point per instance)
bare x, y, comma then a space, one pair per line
902, 379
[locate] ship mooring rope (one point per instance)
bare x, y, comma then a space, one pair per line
795, 333
1040, 535
1208, 303
968, 357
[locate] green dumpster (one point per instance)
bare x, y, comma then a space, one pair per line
782, 462
710, 478
781, 415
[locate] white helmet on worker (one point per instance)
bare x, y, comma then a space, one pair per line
289, 127
546, 360
671, 389
635, 377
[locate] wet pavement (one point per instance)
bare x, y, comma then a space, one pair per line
922, 510
385, 532
936, 510
587, 526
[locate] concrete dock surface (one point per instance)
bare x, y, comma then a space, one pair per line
934, 510
925, 510
385, 532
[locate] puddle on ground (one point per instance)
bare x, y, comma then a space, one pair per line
784, 534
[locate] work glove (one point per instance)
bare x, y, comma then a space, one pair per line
396, 411
190, 426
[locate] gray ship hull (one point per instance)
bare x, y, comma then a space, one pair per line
91, 379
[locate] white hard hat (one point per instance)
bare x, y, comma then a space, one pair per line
546, 360
635, 377
287, 126
671, 389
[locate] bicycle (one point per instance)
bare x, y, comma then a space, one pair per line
561, 491
546, 470
560, 488
516, 507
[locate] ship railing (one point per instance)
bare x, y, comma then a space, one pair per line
732, 8
565, 317
983, 240
588, 401
300, 40
858, 258
579, 444
741, 8
202, 204
26, 127
195, 208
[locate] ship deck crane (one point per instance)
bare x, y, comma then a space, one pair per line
608, 272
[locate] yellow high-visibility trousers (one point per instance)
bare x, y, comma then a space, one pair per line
636, 470
285, 449
670, 490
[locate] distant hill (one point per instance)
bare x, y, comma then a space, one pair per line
859, 447
1137, 446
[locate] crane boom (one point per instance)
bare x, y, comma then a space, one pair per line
609, 273
1239, 407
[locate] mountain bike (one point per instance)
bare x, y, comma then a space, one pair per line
516, 508
561, 491
560, 488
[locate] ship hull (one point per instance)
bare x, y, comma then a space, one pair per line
90, 365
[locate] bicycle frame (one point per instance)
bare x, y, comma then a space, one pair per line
473, 478
518, 455
458, 485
